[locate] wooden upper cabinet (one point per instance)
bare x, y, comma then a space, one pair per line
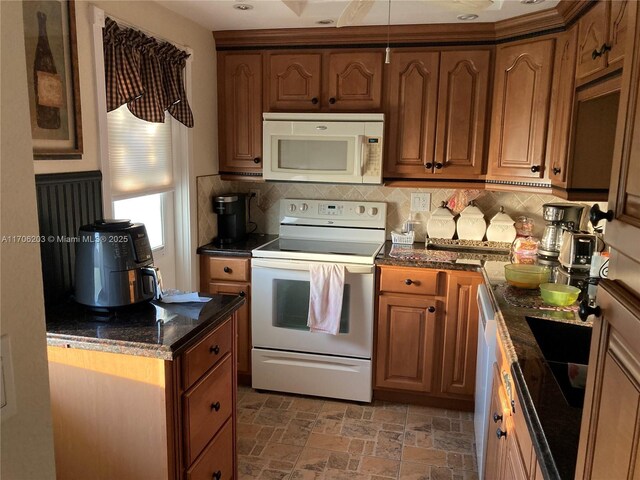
325, 81
406, 342
562, 106
240, 113
355, 81
601, 38
520, 116
462, 110
412, 95
294, 81
624, 194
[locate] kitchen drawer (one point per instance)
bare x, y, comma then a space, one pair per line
229, 269
207, 406
417, 281
205, 354
217, 459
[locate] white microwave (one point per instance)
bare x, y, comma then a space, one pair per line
323, 147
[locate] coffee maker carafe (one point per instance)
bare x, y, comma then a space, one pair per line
232, 218
560, 217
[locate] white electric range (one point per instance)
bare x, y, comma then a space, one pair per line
286, 356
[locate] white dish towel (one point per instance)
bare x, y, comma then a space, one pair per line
325, 297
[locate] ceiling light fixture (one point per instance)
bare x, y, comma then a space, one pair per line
531, 2
326, 21
387, 51
467, 16
243, 6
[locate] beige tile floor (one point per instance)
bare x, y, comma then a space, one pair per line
298, 438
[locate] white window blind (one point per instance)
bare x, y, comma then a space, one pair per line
140, 155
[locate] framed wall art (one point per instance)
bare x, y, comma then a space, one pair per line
52, 77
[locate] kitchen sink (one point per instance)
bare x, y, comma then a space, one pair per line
565, 348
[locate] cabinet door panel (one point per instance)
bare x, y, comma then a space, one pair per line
460, 335
618, 28
462, 107
521, 105
406, 346
294, 81
355, 81
243, 320
514, 468
610, 432
494, 463
592, 35
412, 103
562, 106
240, 114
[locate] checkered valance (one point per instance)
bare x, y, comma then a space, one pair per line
145, 74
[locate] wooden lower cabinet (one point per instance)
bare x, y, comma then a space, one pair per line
131, 417
426, 336
232, 276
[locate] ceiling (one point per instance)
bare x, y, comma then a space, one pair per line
220, 14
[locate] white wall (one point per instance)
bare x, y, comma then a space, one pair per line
27, 436
154, 19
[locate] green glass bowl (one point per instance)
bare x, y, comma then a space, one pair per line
522, 275
559, 295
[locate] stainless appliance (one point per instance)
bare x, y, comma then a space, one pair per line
286, 356
484, 376
232, 218
323, 147
114, 265
560, 217
576, 250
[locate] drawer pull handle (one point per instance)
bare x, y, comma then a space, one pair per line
215, 349
215, 406
217, 475
497, 418
226, 270
408, 281
500, 433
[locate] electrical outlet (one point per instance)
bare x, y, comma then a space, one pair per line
420, 202
255, 193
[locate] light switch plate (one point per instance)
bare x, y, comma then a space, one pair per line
7, 388
420, 202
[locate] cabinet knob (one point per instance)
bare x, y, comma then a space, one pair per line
217, 475
497, 418
605, 48
431, 309
242, 293
595, 54
215, 406
585, 310
428, 165
332, 100
439, 165
500, 433
535, 168
556, 171
226, 270
408, 281
256, 160
314, 100
595, 215
215, 349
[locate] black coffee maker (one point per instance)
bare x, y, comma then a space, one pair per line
232, 218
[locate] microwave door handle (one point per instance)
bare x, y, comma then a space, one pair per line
361, 141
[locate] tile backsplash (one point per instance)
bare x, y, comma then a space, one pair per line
265, 212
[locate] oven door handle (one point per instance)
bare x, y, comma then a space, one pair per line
304, 266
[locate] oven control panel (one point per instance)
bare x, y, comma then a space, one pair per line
347, 213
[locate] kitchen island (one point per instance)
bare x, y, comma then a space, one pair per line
553, 424
146, 392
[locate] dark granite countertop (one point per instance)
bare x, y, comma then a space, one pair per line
553, 423
153, 329
239, 249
